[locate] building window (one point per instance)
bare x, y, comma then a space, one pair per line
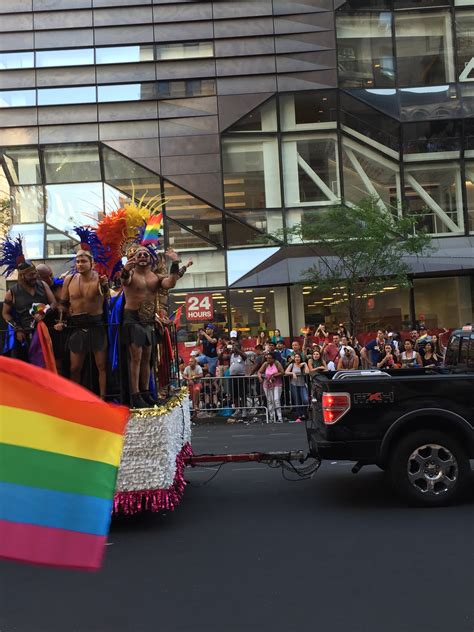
33, 239
59, 244
465, 41
70, 205
9, 61
434, 196
63, 96
67, 57
123, 54
184, 50
308, 110
444, 302
311, 170
430, 102
365, 53
388, 306
27, 204
23, 165
71, 163
194, 214
370, 174
374, 125
263, 119
424, 44
127, 92
186, 88
251, 173
208, 269
17, 98
253, 310
442, 137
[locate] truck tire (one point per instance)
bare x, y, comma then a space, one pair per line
429, 468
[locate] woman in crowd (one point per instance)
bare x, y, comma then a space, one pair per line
430, 357
321, 334
316, 363
270, 374
389, 360
438, 346
223, 358
299, 391
348, 359
277, 337
410, 358
262, 339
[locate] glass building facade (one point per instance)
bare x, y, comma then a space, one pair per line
246, 116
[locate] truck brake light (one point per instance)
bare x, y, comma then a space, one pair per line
335, 406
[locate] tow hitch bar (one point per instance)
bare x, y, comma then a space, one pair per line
285, 460
243, 457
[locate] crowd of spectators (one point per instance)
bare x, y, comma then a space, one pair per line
277, 376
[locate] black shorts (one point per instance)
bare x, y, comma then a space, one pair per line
135, 331
86, 334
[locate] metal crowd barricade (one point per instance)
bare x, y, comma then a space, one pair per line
289, 406
243, 397
237, 396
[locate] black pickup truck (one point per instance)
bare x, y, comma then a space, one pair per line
416, 424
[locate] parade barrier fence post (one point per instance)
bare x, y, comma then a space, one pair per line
226, 396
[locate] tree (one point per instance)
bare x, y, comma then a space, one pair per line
5, 215
358, 249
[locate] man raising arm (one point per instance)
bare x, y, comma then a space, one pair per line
141, 286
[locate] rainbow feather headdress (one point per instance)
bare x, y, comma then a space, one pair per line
125, 228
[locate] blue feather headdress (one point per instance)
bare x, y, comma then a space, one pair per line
91, 244
12, 256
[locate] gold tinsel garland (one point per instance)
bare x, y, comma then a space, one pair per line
157, 411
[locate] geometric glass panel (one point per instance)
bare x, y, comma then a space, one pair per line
71, 163
193, 213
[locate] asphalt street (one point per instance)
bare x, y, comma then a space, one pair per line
250, 551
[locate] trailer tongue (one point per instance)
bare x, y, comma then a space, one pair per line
291, 461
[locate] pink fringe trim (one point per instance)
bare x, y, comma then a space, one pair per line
128, 503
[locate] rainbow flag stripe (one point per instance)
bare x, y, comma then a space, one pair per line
60, 449
153, 229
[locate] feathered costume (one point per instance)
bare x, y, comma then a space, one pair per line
123, 229
91, 246
12, 256
120, 233
39, 351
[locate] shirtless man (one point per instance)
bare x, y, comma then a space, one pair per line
141, 286
83, 297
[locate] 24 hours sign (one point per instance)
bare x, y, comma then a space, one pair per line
199, 307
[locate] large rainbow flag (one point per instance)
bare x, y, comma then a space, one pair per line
60, 449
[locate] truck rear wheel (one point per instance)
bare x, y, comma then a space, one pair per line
429, 468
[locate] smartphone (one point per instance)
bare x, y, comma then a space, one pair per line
124, 260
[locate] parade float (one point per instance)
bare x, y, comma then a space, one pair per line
157, 439
157, 442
